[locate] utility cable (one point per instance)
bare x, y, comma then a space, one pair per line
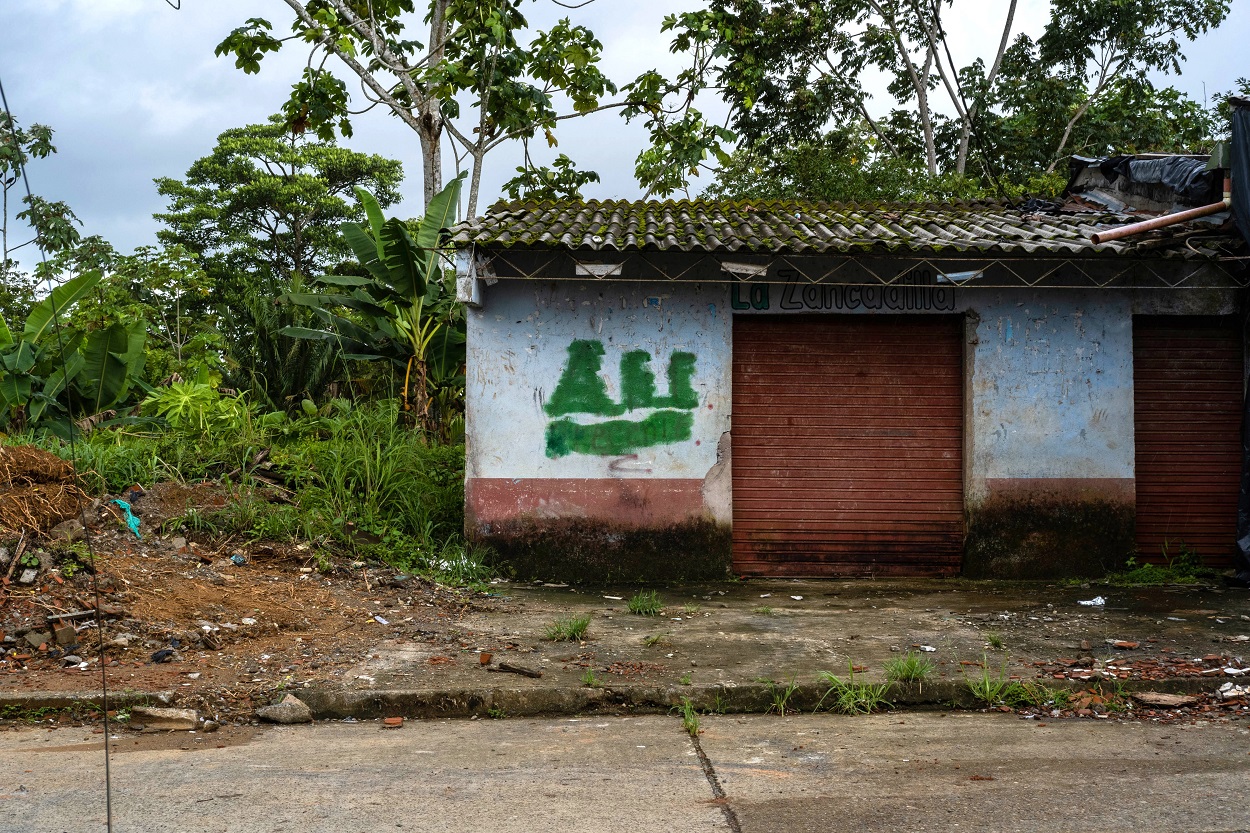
73, 453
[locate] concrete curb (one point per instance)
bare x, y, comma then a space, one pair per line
29, 701
743, 698
548, 701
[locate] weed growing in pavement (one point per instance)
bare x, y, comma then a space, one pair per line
646, 603
781, 696
1183, 566
689, 717
764, 610
569, 629
719, 706
988, 688
655, 639
590, 680
496, 713
995, 640
685, 678
851, 697
1000, 690
691, 609
912, 668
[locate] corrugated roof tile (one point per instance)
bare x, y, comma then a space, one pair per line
779, 227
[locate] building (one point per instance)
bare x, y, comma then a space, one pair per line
684, 389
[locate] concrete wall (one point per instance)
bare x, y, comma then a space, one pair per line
601, 409
596, 410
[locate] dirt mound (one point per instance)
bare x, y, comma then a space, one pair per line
26, 465
37, 490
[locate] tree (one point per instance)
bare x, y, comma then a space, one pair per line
471, 82
793, 69
51, 224
260, 214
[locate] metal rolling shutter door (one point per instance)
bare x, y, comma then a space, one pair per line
847, 445
1187, 389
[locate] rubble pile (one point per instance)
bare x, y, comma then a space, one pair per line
220, 622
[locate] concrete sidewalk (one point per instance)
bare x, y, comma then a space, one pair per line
935, 771
733, 646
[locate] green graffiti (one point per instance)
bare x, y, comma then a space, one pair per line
637, 381
581, 390
680, 391
618, 436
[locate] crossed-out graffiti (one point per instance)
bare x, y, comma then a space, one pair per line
581, 390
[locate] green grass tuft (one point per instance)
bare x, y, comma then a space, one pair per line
569, 629
851, 697
646, 603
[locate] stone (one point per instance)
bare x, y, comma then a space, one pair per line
165, 719
71, 530
178, 544
290, 711
1161, 700
37, 638
210, 726
65, 635
73, 660
28, 576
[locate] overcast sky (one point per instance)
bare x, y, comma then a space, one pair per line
134, 92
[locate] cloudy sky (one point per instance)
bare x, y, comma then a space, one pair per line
134, 92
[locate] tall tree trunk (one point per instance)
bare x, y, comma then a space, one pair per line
966, 132
431, 118
926, 118
475, 182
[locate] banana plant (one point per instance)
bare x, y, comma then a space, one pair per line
402, 311
48, 378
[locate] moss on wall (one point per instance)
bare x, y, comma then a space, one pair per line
1029, 538
597, 552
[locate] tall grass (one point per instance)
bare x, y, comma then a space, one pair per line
359, 480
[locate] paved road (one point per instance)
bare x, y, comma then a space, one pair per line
905, 772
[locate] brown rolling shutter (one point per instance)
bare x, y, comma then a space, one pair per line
1187, 388
847, 445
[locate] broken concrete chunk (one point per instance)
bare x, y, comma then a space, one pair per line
165, 719
37, 638
290, 711
1161, 700
28, 576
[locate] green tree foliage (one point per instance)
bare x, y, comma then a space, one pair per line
793, 73
261, 217
163, 292
562, 181
456, 71
52, 374
402, 309
46, 225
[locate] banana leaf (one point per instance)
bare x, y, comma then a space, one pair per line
43, 314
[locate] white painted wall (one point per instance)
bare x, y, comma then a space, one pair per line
1050, 393
518, 342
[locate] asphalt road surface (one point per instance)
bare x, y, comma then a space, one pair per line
899, 772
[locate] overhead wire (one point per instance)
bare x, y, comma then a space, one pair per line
73, 452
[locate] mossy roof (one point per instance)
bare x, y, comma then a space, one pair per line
817, 228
